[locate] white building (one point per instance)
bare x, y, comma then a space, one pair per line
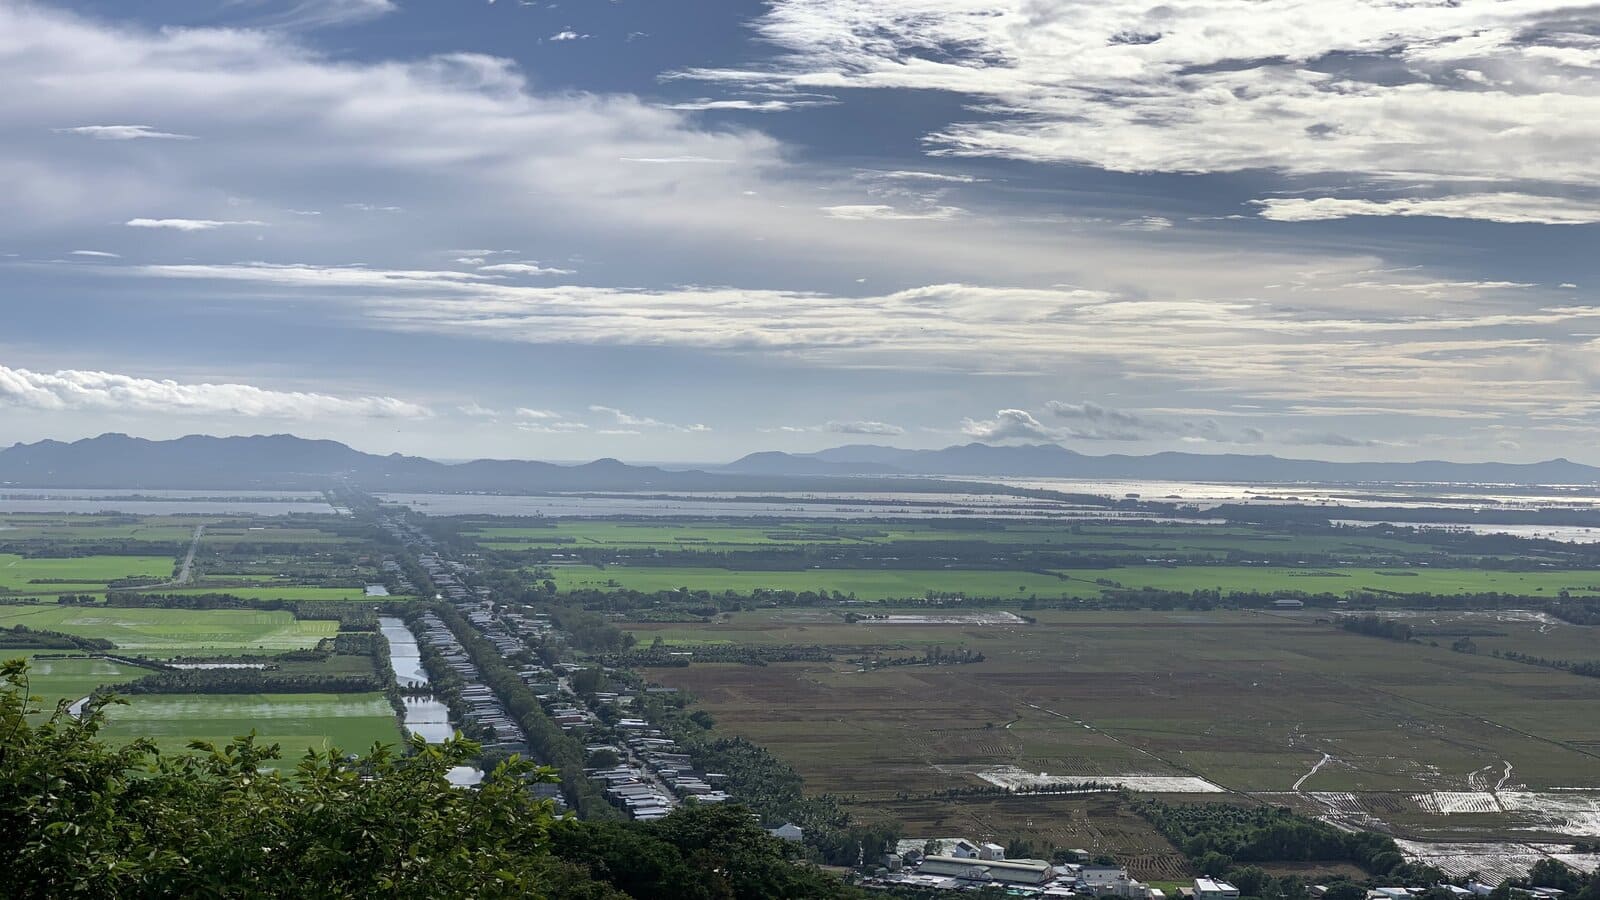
788, 831
1214, 889
1015, 871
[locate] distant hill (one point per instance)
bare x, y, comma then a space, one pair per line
286, 462
1053, 461
283, 461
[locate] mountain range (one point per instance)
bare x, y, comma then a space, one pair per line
276, 462
1054, 461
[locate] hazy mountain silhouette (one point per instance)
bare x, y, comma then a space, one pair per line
284, 461
1053, 461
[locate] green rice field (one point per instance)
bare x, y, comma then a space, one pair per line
53, 677
351, 722
882, 584
720, 536
76, 574
277, 592
175, 632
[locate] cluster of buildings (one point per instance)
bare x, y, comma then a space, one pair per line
481, 707
652, 775
1474, 889
390, 567
445, 575
962, 865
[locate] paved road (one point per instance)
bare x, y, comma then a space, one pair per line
187, 572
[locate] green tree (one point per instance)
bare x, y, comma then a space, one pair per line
1345, 890
85, 819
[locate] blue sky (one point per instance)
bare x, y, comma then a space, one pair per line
1354, 229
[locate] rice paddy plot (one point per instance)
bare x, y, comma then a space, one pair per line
1341, 579
885, 584
53, 677
174, 632
279, 592
866, 584
296, 722
72, 574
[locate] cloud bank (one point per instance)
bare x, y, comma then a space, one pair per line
72, 389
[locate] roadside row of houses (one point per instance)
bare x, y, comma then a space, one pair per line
482, 707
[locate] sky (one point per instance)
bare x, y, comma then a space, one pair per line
1342, 229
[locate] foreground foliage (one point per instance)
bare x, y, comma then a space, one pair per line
85, 819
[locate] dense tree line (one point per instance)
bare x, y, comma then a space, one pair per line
1376, 626
1577, 612
86, 819
589, 632
775, 792
249, 681
660, 655
1217, 837
21, 636
352, 615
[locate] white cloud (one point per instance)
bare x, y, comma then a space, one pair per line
1508, 207
636, 422
914, 175
1091, 421
865, 427
109, 392
103, 254
1337, 335
706, 103
188, 224
553, 426
1006, 426
882, 212
524, 268
309, 14
460, 141
684, 160
568, 35
524, 412
476, 411
1146, 223
1370, 87
124, 133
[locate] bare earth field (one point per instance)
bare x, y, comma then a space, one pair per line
1282, 709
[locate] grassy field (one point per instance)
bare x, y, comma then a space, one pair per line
236, 531
885, 584
866, 584
1248, 701
276, 592
1135, 539
174, 632
76, 574
82, 528
52, 677
351, 722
